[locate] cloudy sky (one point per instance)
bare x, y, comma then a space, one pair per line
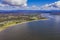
29, 4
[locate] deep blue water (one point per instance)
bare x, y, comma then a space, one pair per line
36, 30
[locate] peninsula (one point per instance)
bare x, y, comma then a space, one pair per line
7, 20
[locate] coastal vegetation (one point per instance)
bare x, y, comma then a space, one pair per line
7, 20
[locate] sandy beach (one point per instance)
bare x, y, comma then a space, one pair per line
3, 28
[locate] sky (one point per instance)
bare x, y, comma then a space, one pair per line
40, 2
29, 4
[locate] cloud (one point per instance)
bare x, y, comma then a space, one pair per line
16, 2
52, 6
1, 5
22, 5
57, 3
8, 7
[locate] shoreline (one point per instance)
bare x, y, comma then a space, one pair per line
3, 28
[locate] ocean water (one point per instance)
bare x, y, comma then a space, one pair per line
36, 30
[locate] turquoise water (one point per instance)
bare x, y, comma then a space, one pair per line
36, 30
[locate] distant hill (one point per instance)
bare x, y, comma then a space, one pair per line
29, 11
